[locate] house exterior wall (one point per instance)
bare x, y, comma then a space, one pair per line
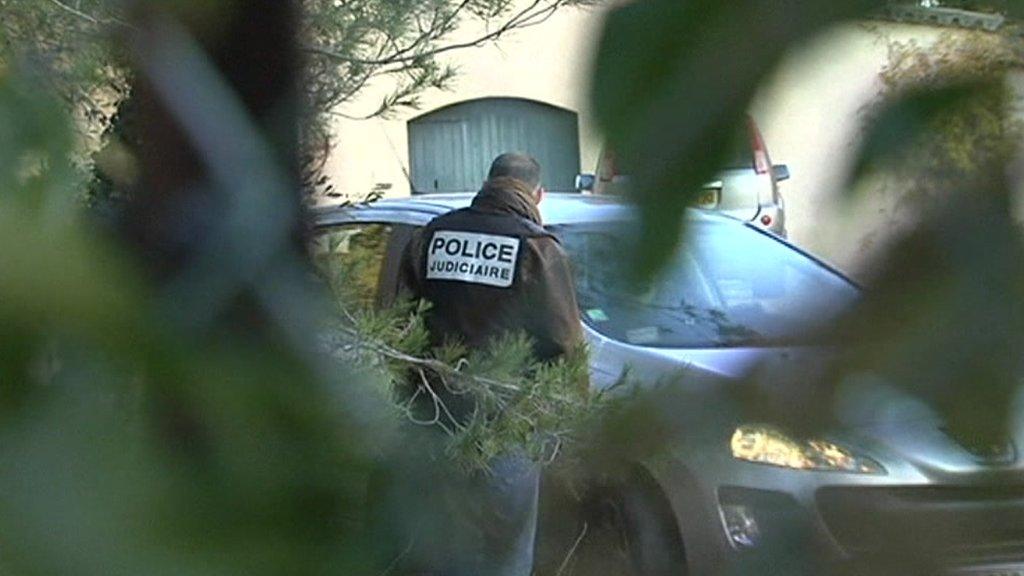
811, 113
548, 63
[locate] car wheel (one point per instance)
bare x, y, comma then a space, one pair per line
650, 535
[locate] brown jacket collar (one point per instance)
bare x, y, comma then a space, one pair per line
507, 195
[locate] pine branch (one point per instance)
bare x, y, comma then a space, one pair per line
77, 12
436, 366
519, 403
529, 16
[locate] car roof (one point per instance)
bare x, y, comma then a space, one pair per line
556, 209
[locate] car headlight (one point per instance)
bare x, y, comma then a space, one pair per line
768, 445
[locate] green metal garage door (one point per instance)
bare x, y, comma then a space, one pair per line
451, 149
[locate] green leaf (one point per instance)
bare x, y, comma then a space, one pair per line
900, 124
673, 80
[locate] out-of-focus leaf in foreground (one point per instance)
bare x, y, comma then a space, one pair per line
946, 114
35, 145
135, 442
942, 320
899, 123
935, 345
52, 270
673, 80
945, 319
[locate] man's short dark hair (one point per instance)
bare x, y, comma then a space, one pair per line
522, 167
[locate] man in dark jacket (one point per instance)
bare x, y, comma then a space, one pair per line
488, 270
492, 268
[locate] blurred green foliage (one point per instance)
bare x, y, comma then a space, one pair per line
955, 97
136, 445
686, 73
352, 48
946, 135
942, 320
139, 442
68, 45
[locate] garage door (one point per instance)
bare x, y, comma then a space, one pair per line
451, 149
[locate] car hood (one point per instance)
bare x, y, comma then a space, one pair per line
872, 415
906, 428
728, 363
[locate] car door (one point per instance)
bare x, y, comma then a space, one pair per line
360, 260
587, 251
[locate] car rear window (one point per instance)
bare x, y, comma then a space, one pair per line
740, 154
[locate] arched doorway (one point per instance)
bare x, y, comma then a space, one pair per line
450, 149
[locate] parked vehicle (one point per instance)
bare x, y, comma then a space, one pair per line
746, 188
889, 483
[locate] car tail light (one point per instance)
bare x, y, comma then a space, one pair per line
766, 220
761, 163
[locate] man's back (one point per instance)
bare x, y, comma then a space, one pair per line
491, 269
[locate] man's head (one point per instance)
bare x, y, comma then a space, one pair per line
521, 167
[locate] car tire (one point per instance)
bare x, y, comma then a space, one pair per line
650, 534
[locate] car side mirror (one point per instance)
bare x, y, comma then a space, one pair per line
781, 172
585, 182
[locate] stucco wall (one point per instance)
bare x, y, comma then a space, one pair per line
548, 63
811, 113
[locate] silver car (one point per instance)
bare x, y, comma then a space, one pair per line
731, 495
746, 188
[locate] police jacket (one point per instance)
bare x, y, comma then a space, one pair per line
490, 269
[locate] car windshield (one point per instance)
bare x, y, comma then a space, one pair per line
726, 286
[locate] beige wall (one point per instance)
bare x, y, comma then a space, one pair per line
811, 113
548, 63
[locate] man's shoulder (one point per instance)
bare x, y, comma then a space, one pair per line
546, 247
488, 222
452, 214
538, 231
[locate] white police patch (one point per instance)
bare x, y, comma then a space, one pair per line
472, 257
